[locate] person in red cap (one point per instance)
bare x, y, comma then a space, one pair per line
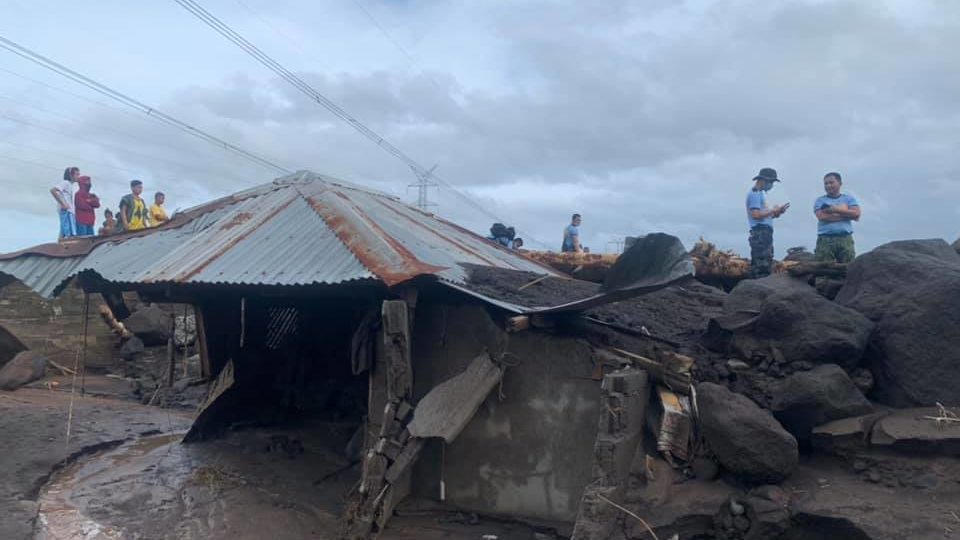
85, 204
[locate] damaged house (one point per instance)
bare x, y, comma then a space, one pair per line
446, 368
318, 299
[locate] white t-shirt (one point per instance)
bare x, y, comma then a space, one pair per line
65, 188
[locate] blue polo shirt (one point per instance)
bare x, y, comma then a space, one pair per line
568, 233
757, 200
835, 228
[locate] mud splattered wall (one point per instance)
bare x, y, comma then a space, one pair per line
529, 453
55, 326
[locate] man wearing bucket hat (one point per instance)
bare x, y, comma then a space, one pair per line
760, 218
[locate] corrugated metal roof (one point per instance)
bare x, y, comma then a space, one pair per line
302, 229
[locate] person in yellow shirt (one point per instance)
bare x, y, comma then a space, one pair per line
133, 210
158, 216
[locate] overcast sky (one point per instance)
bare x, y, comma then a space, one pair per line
643, 116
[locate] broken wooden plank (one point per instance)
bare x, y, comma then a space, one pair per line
447, 408
404, 460
518, 323
534, 282
63, 369
670, 374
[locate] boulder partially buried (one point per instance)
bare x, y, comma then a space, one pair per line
911, 290
746, 439
785, 319
25, 367
810, 398
150, 324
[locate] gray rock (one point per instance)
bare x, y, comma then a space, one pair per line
863, 379
913, 431
811, 398
911, 290
150, 324
131, 348
784, 320
845, 437
25, 367
746, 439
705, 469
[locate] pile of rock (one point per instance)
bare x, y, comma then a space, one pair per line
868, 381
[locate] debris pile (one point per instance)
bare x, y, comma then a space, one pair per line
790, 400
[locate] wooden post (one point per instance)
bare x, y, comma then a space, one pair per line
202, 342
391, 390
170, 362
396, 341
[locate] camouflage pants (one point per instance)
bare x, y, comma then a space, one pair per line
761, 251
835, 248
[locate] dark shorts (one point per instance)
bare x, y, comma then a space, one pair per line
84, 230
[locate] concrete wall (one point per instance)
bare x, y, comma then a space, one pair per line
529, 454
55, 327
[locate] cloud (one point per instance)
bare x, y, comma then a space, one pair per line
641, 116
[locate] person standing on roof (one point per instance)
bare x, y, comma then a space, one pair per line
133, 210
63, 194
86, 204
760, 218
109, 225
835, 213
571, 236
158, 216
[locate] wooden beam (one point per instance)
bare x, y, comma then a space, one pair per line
518, 323
396, 341
673, 377
205, 370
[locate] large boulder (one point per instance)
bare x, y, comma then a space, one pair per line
25, 367
746, 439
131, 348
810, 398
911, 290
784, 318
150, 324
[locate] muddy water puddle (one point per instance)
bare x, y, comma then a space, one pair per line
64, 516
238, 487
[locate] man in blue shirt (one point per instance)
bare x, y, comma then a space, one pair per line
760, 218
835, 213
571, 236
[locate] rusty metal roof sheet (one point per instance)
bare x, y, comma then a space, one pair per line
302, 229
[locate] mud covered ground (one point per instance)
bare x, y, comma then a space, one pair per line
126, 475
679, 314
33, 423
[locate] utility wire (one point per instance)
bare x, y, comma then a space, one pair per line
226, 31
128, 101
120, 149
125, 134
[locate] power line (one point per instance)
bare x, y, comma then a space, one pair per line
111, 146
128, 101
226, 31
126, 134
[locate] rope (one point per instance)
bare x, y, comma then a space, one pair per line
503, 371
83, 358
